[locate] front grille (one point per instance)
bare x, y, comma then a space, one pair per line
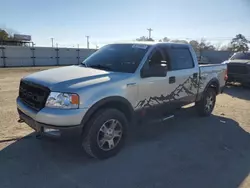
237, 69
33, 95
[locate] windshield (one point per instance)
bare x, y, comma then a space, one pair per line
117, 57
241, 55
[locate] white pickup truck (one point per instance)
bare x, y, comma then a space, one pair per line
118, 84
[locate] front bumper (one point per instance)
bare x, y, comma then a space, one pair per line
50, 118
53, 130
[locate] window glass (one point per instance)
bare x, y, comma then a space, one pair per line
180, 58
241, 56
156, 58
117, 57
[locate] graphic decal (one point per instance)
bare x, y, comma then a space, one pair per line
186, 87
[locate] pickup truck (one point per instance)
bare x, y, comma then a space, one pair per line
238, 67
104, 96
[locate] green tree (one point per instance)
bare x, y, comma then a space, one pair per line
3, 35
239, 43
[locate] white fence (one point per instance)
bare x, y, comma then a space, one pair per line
16, 56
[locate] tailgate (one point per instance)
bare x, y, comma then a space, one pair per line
238, 68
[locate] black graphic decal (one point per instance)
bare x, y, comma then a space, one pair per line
187, 87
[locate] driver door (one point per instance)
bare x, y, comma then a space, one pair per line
153, 90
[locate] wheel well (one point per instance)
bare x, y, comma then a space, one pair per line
120, 105
214, 85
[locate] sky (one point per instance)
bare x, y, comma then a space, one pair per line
105, 21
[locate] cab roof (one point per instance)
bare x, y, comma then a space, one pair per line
149, 43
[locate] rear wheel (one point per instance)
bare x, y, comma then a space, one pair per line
105, 133
206, 105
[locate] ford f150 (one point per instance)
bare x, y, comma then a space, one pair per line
103, 96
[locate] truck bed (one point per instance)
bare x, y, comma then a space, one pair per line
209, 71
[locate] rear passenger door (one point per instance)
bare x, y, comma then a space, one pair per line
182, 74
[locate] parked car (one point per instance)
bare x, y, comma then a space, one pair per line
104, 96
239, 68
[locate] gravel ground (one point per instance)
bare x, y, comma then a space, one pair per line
187, 151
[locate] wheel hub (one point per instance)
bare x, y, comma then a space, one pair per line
209, 102
109, 134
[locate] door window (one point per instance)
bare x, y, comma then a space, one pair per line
156, 58
181, 58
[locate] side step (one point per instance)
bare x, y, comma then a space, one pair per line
156, 120
162, 119
167, 118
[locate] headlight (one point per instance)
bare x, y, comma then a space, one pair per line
62, 100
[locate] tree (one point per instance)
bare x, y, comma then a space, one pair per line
194, 44
180, 41
226, 47
3, 35
165, 39
240, 43
143, 38
202, 45
7, 38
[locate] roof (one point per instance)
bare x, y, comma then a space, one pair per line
149, 43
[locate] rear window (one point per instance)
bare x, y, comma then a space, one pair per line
241, 55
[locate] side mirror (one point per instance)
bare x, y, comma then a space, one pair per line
156, 70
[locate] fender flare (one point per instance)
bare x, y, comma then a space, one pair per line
209, 84
103, 102
214, 82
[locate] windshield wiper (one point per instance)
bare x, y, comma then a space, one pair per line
102, 67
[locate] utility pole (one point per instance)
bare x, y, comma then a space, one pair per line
87, 42
52, 42
149, 32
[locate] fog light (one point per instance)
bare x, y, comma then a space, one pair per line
51, 131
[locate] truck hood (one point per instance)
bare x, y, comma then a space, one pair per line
71, 78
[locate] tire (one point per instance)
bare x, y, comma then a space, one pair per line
202, 105
98, 144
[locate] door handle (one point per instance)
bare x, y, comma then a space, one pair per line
172, 79
131, 84
195, 75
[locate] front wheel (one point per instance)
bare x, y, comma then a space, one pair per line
206, 105
105, 133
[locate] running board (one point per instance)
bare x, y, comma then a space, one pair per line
162, 119
167, 118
